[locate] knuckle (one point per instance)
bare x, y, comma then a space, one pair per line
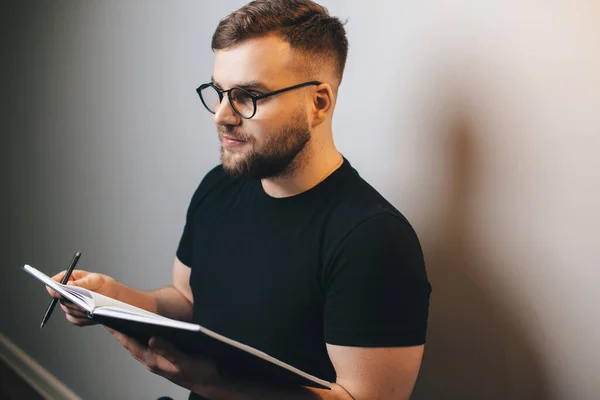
175, 370
151, 366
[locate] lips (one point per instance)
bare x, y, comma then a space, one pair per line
231, 141
232, 138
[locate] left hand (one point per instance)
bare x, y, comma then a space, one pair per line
196, 373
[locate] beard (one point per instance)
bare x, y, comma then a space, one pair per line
279, 156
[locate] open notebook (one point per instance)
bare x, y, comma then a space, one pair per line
229, 355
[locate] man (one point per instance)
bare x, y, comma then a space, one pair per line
285, 247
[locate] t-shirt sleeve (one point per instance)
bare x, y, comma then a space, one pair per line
184, 250
378, 291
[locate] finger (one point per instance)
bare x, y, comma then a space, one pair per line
77, 321
168, 361
74, 312
165, 349
147, 356
118, 335
76, 274
67, 303
141, 352
58, 277
135, 347
89, 281
71, 305
54, 294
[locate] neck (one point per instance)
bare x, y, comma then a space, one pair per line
311, 170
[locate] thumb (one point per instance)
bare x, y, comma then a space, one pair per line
89, 281
164, 349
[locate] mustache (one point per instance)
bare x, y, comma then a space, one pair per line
241, 136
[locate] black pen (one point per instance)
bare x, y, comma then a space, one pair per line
65, 279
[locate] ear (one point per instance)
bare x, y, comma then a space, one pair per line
322, 104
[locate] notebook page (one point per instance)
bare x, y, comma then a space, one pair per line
81, 297
105, 302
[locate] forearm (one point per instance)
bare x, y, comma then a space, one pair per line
166, 301
252, 391
171, 303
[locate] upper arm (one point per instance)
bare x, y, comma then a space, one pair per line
376, 372
378, 292
376, 309
181, 279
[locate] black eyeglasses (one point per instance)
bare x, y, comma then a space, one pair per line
242, 101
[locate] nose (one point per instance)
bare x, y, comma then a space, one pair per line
224, 114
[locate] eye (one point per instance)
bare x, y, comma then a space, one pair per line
241, 96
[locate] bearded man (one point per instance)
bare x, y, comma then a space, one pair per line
285, 247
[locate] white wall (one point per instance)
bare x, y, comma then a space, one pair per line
479, 120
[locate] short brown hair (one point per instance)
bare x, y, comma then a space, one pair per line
304, 24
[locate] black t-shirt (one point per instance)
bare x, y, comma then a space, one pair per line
336, 264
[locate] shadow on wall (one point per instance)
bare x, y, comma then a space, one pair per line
474, 350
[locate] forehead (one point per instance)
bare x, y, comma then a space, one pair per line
264, 59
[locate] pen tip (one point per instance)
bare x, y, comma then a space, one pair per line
42, 325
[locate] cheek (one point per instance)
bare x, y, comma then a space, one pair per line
256, 132
272, 114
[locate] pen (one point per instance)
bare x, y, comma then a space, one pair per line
65, 279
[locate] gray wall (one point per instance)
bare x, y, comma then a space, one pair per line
480, 122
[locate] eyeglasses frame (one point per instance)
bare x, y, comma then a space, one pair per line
253, 96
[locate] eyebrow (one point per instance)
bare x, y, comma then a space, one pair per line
256, 85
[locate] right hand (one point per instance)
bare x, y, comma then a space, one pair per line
99, 283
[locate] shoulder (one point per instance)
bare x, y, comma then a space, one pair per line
381, 236
358, 207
